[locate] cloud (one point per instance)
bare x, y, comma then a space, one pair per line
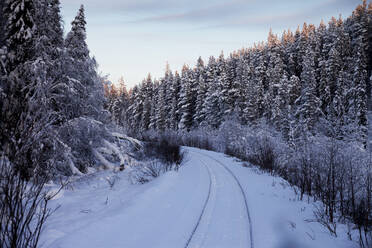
127, 5
209, 12
238, 13
294, 16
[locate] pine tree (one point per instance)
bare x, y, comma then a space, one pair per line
308, 111
280, 106
360, 101
175, 92
212, 106
119, 103
359, 38
154, 105
337, 116
161, 107
201, 95
275, 73
136, 109
146, 95
20, 31
168, 85
185, 103
224, 84
82, 70
27, 134
19, 40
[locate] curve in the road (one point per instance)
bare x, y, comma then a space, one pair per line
244, 196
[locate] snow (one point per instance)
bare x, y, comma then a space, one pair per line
106, 164
74, 170
115, 150
201, 205
134, 142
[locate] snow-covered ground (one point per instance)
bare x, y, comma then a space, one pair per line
211, 202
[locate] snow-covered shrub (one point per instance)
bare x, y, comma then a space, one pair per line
23, 208
164, 151
83, 135
148, 171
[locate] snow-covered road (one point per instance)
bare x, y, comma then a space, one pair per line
225, 220
211, 202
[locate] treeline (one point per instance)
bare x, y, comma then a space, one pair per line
316, 80
51, 97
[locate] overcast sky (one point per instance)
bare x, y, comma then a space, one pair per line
131, 38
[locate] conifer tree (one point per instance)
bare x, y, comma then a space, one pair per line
82, 70
154, 105
185, 103
175, 112
161, 107
201, 95
147, 94
212, 106
308, 112
26, 113
168, 91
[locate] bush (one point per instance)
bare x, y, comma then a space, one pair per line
263, 154
164, 151
146, 172
23, 209
82, 135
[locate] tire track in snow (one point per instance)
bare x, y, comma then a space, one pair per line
203, 210
244, 196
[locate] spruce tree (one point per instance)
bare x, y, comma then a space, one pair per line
154, 103
27, 112
309, 106
212, 104
185, 103
199, 117
81, 68
146, 95
160, 107
168, 85
175, 111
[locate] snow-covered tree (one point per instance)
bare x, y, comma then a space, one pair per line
175, 92
147, 94
82, 70
199, 116
185, 103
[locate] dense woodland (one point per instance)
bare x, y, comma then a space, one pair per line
52, 113
296, 105
315, 80
51, 97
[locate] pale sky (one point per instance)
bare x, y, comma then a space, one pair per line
131, 38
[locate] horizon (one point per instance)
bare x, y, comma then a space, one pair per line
150, 34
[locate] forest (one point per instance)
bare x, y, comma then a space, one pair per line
298, 106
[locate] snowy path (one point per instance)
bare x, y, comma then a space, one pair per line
226, 220
211, 202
